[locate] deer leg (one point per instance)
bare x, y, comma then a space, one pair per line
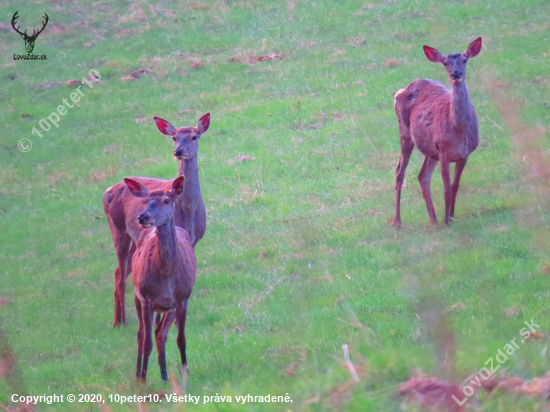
161, 334
181, 315
425, 177
406, 150
447, 188
147, 322
139, 337
122, 245
459, 168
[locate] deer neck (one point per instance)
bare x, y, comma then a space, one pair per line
460, 105
191, 187
167, 246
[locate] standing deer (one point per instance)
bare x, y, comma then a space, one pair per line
29, 40
442, 123
164, 268
122, 209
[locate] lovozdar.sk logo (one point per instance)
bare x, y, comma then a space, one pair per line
29, 40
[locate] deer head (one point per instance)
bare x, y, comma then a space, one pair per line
454, 63
158, 210
29, 40
186, 139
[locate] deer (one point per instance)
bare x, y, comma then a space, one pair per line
29, 40
164, 267
122, 208
442, 123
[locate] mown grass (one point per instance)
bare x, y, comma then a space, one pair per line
298, 257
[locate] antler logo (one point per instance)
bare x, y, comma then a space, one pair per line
29, 40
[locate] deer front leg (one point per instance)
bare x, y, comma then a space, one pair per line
425, 178
447, 189
459, 168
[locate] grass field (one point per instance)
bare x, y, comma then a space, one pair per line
299, 256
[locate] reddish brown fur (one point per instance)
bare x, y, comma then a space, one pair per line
164, 268
442, 123
121, 208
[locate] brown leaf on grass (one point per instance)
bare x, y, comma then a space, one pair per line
197, 65
263, 255
99, 176
391, 63
291, 5
234, 59
339, 117
239, 159
73, 83
93, 79
56, 28
265, 57
55, 177
356, 41
137, 15
198, 6
89, 44
338, 52
535, 336
371, 212
127, 78
183, 73
431, 393
298, 256
112, 148
510, 312
290, 368
5, 301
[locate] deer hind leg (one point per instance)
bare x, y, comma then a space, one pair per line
181, 315
140, 334
146, 325
459, 168
124, 247
425, 177
161, 334
407, 147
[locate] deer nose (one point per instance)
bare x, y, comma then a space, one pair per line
456, 74
178, 152
143, 218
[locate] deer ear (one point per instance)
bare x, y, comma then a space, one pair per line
433, 55
136, 188
177, 186
204, 123
474, 48
165, 127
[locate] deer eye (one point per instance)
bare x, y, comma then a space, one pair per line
174, 138
194, 137
166, 201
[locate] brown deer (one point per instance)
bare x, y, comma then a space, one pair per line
442, 123
164, 267
122, 209
29, 40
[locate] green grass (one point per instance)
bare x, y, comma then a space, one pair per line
292, 266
